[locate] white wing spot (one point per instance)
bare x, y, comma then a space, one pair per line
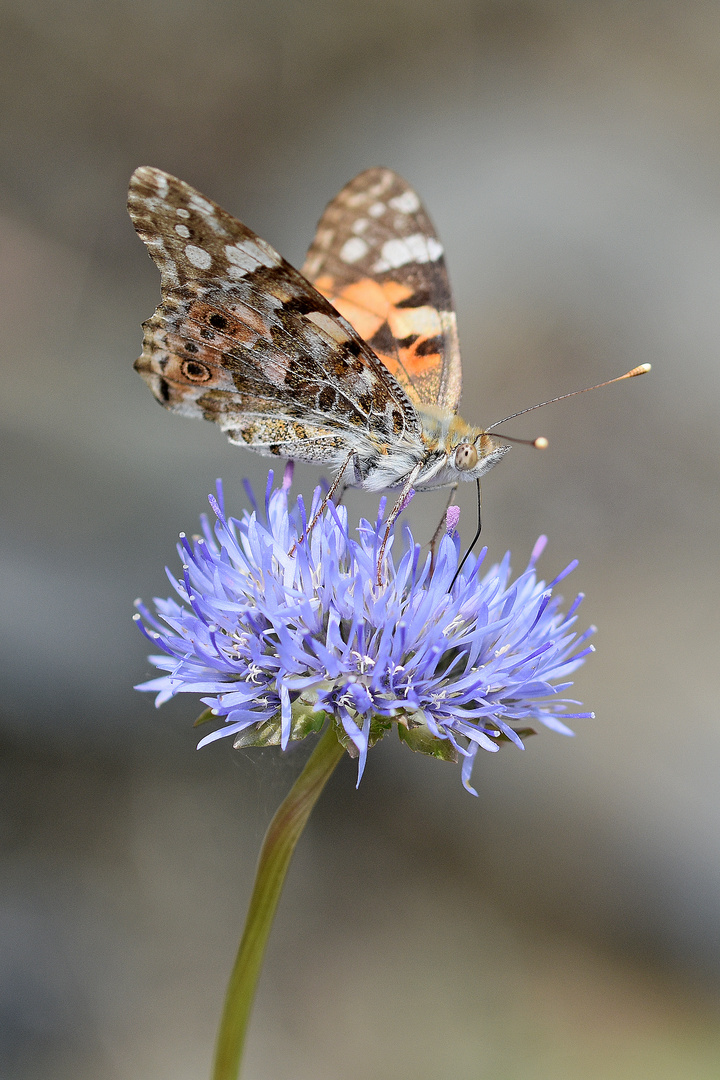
424, 321
407, 203
269, 256
416, 248
205, 208
182, 213
332, 327
353, 249
377, 209
198, 257
324, 237
240, 256
249, 254
182, 230
360, 225
382, 185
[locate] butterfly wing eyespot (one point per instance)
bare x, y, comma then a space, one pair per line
196, 372
466, 456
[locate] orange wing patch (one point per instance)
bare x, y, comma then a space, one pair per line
409, 340
377, 258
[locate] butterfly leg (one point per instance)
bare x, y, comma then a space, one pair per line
333, 488
395, 513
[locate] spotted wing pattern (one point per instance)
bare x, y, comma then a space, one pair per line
378, 260
244, 340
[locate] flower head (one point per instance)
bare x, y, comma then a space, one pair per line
282, 630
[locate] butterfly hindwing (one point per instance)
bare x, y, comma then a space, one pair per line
243, 339
378, 260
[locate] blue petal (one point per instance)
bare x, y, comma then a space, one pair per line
255, 625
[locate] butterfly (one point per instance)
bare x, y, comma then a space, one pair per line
354, 362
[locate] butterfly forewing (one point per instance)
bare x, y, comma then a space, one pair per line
243, 339
378, 260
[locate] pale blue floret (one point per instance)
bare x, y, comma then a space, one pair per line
261, 632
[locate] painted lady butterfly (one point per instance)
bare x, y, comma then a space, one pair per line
354, 362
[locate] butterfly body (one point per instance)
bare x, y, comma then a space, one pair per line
354, 363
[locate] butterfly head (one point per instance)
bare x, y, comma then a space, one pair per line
455, 450
474, 454
474, 458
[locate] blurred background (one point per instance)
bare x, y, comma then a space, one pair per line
564, 925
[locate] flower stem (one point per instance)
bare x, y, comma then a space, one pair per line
280, 840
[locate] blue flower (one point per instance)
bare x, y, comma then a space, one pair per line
282, 631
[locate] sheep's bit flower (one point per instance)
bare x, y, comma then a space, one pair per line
283, 630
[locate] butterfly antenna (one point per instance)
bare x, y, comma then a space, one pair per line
540, 443
641, 370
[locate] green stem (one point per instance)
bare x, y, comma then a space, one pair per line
280, 840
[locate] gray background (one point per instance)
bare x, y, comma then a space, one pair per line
563, 925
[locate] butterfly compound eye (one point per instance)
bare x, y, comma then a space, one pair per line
196, 372
466, 456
